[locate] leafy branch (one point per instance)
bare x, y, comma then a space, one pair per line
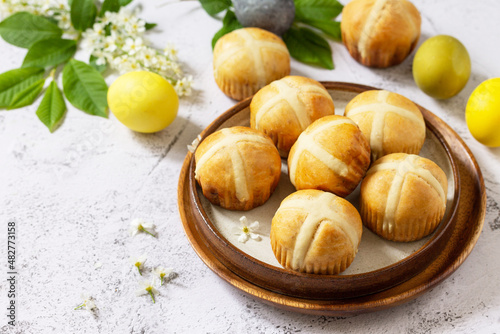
47, 51
306, 38
114, 36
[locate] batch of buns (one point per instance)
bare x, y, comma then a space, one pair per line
315, 230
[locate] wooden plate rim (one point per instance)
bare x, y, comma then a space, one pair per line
316, 306
357, 283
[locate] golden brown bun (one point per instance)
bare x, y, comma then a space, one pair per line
237, 168
286, 107
331, 154
403, 197
247, 59
390, 122
380, 33
316, 232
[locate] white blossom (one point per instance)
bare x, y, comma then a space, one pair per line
124, 15
247, 231
147, 287
135, 26
148, 57
191, 148
64, 20
132, 46
162, 273
87, 303
183, 87
170, 51
139, 225
138, 262
99, 29
109, 44
57, 9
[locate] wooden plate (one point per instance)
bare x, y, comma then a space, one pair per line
340, 295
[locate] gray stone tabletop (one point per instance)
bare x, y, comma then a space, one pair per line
73, 194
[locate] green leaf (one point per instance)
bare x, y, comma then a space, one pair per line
85, 88
308, 47
51, 19
213, 7
52, 108
93, 63
83, 13
24, 29
109, 6
229, 23
150, 26
27, 96
14, 81
317, 9
330, 28
124, 2
49, 52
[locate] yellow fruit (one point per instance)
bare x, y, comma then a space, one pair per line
143, 101
482, 112
441, 67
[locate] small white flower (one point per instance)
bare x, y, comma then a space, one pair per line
170, 51
194, 144
116, 32
138, 262
118, 62
183, 87
100, 61
162, 273
64, 20
62, 5
175, 68
87, 304
134, 66
147, 288
124, 12
46, 9
139, 225
109, 44
91, 39
101, 57
126, 64
148, 57
163, 64
135, 26
247, 231
99, 29
108, 17
132, 46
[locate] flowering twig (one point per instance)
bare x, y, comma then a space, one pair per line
117, 40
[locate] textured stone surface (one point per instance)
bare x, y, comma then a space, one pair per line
74, 192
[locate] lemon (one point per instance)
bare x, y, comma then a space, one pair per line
441, 66
482, 112
143, 101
